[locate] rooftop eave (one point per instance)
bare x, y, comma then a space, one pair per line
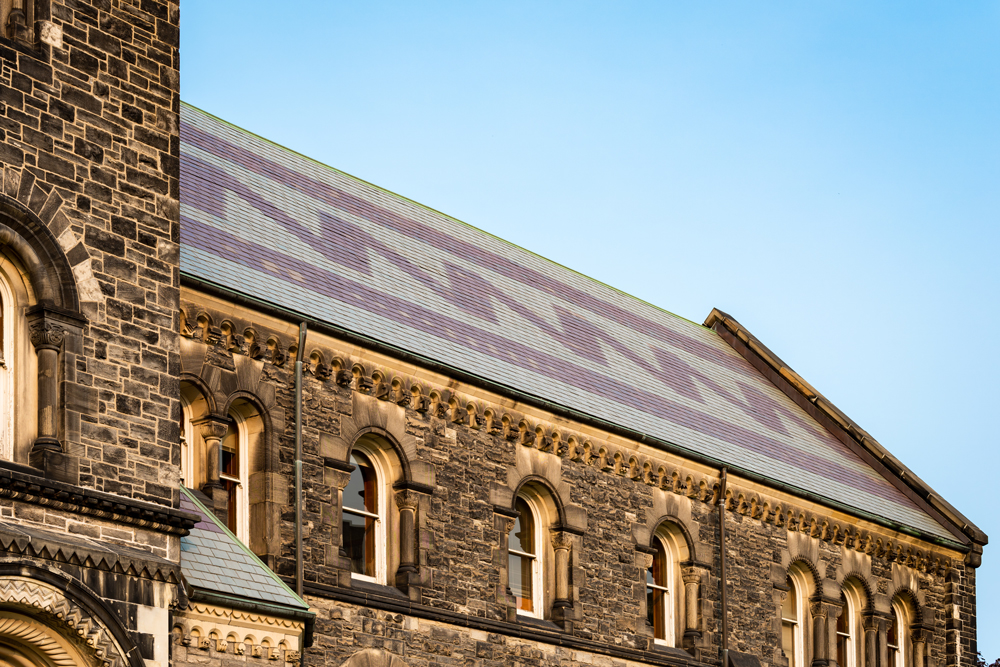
890, 463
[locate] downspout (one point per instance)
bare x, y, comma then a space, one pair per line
298, 458
722, 567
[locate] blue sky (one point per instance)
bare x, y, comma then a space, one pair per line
827, 173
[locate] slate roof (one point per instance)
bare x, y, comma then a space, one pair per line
272, 224
213, 559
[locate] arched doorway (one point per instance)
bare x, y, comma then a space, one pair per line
29, 642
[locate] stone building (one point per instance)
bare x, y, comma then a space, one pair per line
257, 411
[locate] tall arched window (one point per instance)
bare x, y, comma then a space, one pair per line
6, 393
364, 518
524, 559
233, 475
898, 635
660, 587
845, 636
850, 649
794, 618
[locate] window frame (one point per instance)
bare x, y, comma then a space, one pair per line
537, 560
898, 654
242, 495
668, 603
7, 371
798, 591
849, 635
381, 547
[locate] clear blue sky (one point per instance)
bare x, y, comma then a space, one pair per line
826, 172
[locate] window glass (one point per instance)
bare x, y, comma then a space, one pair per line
229, 473
789, 623
522, 559
844, 634
360, 516
892, 639
657, 593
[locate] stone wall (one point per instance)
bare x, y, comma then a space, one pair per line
472, 449
90, 146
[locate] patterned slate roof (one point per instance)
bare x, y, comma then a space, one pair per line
213, 559
272, 224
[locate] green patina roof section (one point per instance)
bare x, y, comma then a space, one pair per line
214, 559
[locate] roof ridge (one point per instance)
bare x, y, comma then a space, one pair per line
441, 213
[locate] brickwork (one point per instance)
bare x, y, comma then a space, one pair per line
90, 150
622, 488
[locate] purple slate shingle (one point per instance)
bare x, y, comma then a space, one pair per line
272, 224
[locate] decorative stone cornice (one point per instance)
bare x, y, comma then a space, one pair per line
38, 490
665, 472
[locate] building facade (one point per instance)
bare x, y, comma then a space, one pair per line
257, 410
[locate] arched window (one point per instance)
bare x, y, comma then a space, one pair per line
18, 364
194, 407
793, 617
664, 590
850, 649
6, 393
233, 473
364, 518
845, 636
660, 593
370, 521
898, 635
524, 559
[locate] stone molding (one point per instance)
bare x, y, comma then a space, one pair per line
22, 190
214, 629
38, 490
388, 384
39, 597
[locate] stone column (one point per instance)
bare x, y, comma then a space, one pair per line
870, 622
561, 544
407, 503
824, 617
47, 337
213, 429
562, 605
919, 636
692, 601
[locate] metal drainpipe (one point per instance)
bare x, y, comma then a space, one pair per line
722, 568
298, 458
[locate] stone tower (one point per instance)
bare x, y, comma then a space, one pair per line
89, 278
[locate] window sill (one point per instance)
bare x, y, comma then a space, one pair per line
539, 623
377, 589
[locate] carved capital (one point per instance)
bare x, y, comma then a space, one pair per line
46, 335
561, 540
212, 427
407, 499
690, 576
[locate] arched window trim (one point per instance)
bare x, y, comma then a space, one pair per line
899, 654
668, 602
188, 446
7, 371
798, 593
382, 503
242, 496
537, 558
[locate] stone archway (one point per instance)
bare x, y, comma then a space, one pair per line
373, 657
41, 627
28, 642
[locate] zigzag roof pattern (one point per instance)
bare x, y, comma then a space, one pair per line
271, 224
